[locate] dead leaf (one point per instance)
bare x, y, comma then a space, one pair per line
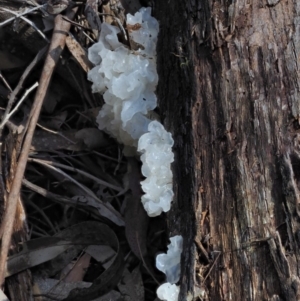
36, 252
48, 22
47, 141
102, 254
9, 61
112, 214
91, 233
136, 218
88, 138
80, 235
91, 14
91, 113
75, 272
108, 279
131, 286
92, 138
55, 121
57, 290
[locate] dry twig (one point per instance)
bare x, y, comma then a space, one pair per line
20, 83
27, 21
61, 29
27, 11
2, 124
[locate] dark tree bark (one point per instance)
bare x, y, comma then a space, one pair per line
229, 93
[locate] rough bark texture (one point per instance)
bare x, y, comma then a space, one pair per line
229, 92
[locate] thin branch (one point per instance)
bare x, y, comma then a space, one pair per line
21, 81
56, 133
77, 24
27, 11
84, 188
62, 199
88, 37
5, 82
50, 195
2, 124
101, 182
212, 266
27, 21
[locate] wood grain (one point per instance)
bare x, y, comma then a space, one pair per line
229, 92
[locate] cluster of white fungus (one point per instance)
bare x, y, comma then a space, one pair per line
170, 263
156, 146
127, 79
168, 292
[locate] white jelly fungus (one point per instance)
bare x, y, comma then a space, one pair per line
127, 79
168, 292
170, 263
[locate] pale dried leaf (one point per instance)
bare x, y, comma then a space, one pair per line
56, 289
101, 253
36, 252
3, 296
75, 271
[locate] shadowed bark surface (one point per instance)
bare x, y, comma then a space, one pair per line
229, 92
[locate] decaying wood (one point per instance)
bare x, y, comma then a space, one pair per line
229, 91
